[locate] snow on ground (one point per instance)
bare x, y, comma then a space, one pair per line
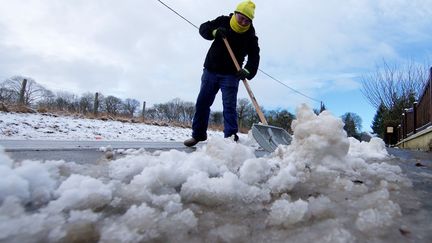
48, 127
324, 187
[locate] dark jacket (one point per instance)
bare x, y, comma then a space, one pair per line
246, 44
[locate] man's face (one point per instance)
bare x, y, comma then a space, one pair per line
242, 20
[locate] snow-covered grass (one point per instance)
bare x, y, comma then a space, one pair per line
48, 127
324, 187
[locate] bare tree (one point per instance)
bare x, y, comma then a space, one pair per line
66, 101
47, 101
170, 111
187, 111
7, 96
113, 105
31, 90
391, 83
86, 103
161, 112
242, 106
246, 113
151, 113
175, 110
130, 106
393, 88
216, 118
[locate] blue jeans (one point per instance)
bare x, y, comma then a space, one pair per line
210, 85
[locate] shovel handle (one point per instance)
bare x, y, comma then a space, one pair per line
246, 84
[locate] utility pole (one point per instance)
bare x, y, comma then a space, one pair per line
22, 92
143, 110
96, 104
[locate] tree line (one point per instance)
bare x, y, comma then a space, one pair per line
19, 90
25, 91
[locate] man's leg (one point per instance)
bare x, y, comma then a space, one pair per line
206, 97
229, 87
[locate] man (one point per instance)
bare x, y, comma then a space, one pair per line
220, 71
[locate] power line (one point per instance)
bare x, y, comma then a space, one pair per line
294, 90
268, 75
178, 14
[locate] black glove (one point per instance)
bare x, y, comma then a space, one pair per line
220, 32
243, 73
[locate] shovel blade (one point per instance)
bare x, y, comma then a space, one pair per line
270, 137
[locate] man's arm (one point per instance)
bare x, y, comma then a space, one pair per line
206, 29
253, 58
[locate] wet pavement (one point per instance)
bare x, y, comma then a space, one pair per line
78, 151
84, 151
417, 165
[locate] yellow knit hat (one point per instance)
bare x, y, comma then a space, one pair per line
247, 8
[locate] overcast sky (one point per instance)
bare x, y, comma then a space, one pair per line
140, 49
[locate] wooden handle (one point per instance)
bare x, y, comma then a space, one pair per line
246, 84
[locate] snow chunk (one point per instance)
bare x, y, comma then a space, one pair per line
339, 235
11, 184
81, 192
17, 226
229, 233
30, 181
40, 180
230, 153
139, 223
318, 136
319, 207
143, 223
4, 159
286, 213
375, 149
374, 220
255, 171
220, 190
285, 180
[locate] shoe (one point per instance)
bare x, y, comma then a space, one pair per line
236, 138
193, 141
190, 142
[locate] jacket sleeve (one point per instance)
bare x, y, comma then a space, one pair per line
207, 28
253, 57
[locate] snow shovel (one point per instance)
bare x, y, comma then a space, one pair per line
268, 137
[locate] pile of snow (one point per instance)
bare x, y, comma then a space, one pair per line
324, 187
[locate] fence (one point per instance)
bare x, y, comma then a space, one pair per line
418, 117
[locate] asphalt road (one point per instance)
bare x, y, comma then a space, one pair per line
417, 166
18, 145
83, 151
77, 151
